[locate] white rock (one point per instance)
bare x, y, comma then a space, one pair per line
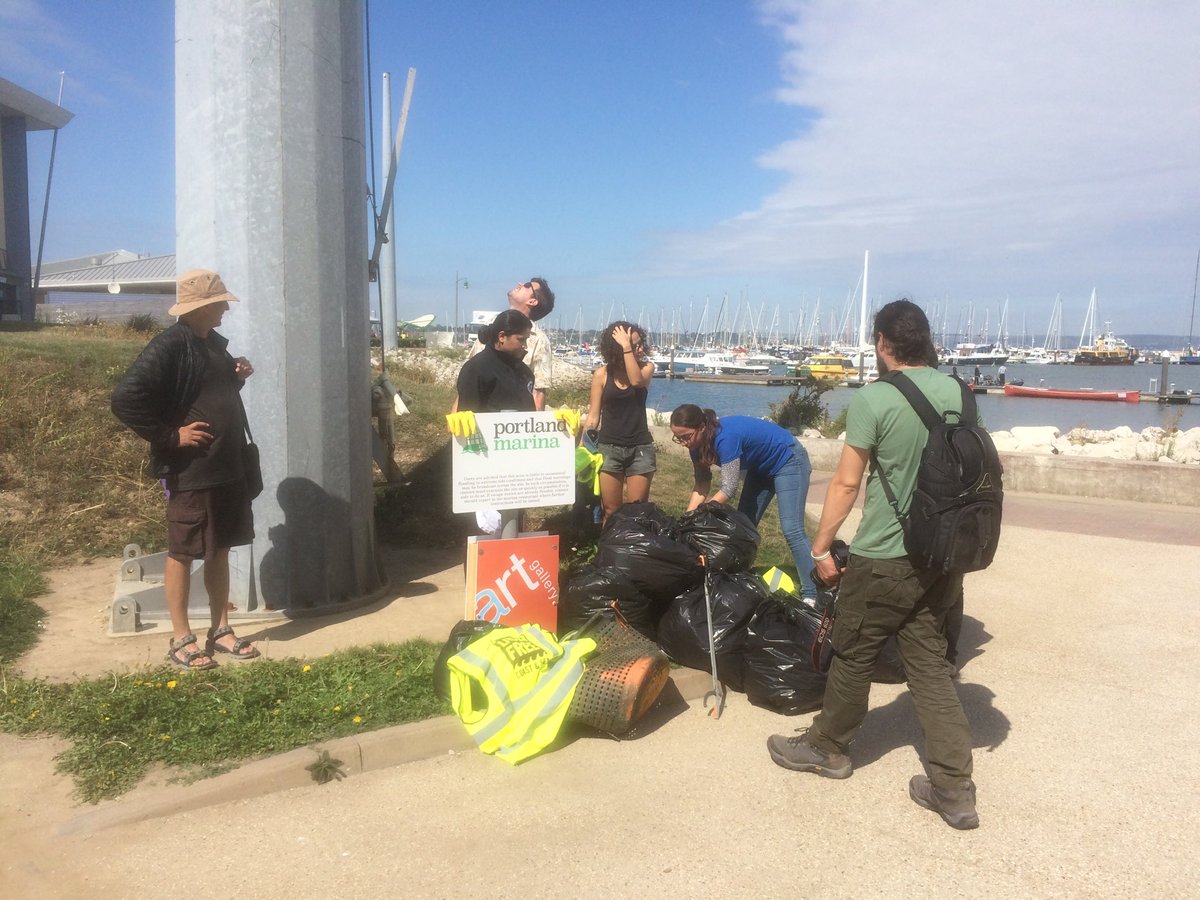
1005, 442
1189, 454
1145, 450
1064, 445
1035, 434
1122, 431
1110, 450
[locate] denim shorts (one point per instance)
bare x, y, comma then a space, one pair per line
639, 460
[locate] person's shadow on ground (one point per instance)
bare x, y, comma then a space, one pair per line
895, 725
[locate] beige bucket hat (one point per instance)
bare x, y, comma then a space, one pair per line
198, 288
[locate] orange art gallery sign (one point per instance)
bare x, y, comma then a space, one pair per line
513, 581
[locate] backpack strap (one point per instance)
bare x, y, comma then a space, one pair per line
919, 402
923, 408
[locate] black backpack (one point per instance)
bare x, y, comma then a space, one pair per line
953, 522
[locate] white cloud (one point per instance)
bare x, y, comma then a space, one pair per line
977, 132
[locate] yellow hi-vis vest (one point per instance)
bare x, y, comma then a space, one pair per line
528, 678
778, 580
587, 467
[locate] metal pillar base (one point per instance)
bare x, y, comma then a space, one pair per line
140, 598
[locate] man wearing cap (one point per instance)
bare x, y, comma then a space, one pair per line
534, 300
182, 396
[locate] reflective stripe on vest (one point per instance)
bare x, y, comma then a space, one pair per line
778, 580
528, 679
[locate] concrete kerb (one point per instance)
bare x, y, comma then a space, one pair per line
358, 754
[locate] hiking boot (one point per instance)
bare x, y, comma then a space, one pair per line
797, 753
956, 807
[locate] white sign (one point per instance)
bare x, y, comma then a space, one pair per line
517, 460
483, 316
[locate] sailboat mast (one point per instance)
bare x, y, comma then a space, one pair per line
862, 314
1195, 281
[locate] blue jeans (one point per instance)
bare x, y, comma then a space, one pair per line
790, 487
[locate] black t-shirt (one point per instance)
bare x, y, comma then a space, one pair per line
217, 404
491, 381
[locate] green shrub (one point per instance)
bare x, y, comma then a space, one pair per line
832, 428
142, 323
803, 407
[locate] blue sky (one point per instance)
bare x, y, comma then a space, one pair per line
647, 157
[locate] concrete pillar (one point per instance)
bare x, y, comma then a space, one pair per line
271, 192
15, 188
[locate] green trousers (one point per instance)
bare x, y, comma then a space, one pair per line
879, 598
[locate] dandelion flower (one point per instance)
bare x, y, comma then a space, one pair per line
356, 719
337, 709
171, 685
306, 669
164, 737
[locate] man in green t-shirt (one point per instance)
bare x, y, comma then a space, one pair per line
881, 593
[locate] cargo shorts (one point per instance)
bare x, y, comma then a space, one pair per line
202, 522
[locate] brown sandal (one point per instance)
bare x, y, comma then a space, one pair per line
183, 660
239, 644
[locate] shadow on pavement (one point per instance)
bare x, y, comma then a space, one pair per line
895, 725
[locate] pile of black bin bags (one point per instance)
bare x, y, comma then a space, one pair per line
649, 564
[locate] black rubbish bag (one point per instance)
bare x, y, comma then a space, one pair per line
642, 547
683, 629
461, 636
594, 588
778, 670
726, 538
648, 515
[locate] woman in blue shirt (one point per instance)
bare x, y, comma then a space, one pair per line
773, 460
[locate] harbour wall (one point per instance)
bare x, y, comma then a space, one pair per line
1116, 479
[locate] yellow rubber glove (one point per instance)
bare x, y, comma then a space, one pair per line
462, 424
570, 418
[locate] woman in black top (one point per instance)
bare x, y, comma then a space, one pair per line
495, 379
618, 405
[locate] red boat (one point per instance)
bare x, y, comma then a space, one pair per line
1016, 390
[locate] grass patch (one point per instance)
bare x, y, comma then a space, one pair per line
198, 722
73, 480
20, 617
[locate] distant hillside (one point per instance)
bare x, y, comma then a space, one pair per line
1156, 341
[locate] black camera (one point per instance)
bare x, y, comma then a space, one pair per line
840, 551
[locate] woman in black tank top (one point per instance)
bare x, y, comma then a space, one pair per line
618, 407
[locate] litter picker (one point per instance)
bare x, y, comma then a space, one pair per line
717, 694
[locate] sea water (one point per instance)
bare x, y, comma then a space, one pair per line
1000, 413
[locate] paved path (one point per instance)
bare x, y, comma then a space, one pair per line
1079, 682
